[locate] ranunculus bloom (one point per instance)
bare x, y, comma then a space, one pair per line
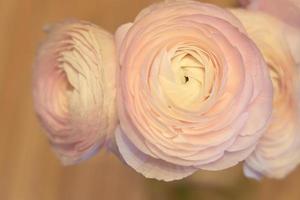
194, 91
74, 89
287, 11
278, 152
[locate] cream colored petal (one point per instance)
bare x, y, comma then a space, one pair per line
75, 89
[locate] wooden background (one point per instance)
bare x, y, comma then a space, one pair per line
28, 168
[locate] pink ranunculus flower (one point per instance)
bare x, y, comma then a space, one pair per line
194, 91
278, 152
285, 10
74, 89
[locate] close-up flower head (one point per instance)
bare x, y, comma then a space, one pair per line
194, 92
278, 152
74, 89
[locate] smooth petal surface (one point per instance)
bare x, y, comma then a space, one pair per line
149, 166
292, 35
278, 152
74, 89
194, 92
286, 10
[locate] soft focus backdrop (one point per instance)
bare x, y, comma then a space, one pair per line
28, 168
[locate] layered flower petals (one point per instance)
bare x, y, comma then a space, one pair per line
194, 91
278, 152
74, 89
287, 11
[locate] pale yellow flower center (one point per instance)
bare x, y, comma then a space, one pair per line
193, 78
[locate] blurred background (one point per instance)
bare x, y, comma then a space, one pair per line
28, 168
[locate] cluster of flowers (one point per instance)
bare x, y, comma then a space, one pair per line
185, 86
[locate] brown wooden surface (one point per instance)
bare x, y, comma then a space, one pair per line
28, 168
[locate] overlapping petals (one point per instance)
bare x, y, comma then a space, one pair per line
194, 91
286, 10
278, 152
74, 89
